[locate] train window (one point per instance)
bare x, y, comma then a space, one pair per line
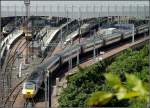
29, 86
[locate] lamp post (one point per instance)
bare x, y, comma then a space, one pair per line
132, 33
94, 49
149, 56
47, 85
27, 3
94, 46
78, 59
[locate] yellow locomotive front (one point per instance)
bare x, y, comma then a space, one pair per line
29, 90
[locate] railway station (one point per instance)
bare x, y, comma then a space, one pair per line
74, 54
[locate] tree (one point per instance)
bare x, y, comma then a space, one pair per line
87, 81
121, 91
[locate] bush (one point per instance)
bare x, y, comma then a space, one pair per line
91, 79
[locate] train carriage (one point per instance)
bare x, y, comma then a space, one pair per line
34, 81
70, 53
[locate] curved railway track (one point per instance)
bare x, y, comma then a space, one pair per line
84, 58
28, 103
12, 53
9, 66
12, 56
89, 57
7, 70
17, 87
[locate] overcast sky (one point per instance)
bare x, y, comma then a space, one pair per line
19, 3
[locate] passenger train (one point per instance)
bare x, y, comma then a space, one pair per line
34, 81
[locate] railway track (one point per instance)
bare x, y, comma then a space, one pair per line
14, 93
11, 58
32, 101
82, 60
13, 52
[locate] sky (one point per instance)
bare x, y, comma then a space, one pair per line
20, 3
49, 7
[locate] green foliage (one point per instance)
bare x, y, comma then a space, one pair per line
90, 80
99, 98
132, 62
138, 90
82, 84
137, 85
113, 80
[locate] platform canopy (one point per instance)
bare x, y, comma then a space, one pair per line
77, 9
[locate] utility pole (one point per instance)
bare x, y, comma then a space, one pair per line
78, 59
137, 11
61, 39
26, 28
93, 11
149, 55
70, 63
117, 13
130, 8
132, 33
145, 11
123, 16
48, 91
79, 21
108, 16
101, 10
100, 15
67, 17
94, 51
74, 27
47, 85
99, 19
87, 11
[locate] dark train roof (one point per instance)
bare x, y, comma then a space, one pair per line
48, 61
34, 75
38, 72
